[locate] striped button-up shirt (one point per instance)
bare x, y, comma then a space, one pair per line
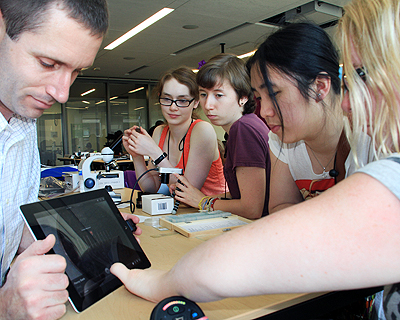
19, 181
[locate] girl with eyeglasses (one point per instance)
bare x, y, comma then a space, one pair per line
295, 77
183, 142
226, 99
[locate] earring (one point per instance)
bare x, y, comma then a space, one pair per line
319, 97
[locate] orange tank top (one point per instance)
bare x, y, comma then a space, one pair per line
215, 181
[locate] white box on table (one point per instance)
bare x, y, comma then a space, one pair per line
155, 204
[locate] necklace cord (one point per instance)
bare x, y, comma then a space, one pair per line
334, 172
181, 145
334, 156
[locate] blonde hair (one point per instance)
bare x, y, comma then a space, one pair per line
372, 29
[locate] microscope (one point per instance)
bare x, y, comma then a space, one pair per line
93, 180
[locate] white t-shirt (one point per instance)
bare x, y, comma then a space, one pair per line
300, 166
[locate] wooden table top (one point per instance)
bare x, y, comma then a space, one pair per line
164, 249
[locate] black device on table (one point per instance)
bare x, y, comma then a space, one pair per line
177, 308
91, 235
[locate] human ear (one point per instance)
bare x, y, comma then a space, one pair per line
322, 86
243, 100
196, 104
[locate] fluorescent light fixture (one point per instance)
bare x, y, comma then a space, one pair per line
248, 54
136, 90
140, 27
84, 101
269, 25
113, 98
87, 92
138, 108
101, 101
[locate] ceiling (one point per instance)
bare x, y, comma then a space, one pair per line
166, 44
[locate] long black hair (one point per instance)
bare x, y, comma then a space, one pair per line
302, 51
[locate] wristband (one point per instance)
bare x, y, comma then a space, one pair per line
159, 159
212, 204
203, 202
207, 204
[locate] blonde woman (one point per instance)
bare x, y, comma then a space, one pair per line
324, 243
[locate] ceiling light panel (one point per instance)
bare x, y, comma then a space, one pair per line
140, 27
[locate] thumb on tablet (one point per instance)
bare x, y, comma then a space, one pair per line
130, 278
40, 247
120, 271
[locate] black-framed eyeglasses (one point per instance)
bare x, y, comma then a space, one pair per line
362, 73
181, 103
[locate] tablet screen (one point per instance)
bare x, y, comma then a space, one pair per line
92, 235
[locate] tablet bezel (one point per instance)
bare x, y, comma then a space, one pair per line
30, 210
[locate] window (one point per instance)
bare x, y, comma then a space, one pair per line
95, 111
49, 127
86, 117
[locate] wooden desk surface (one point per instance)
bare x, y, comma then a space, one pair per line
164, 248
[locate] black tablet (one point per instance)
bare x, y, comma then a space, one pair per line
91, 235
